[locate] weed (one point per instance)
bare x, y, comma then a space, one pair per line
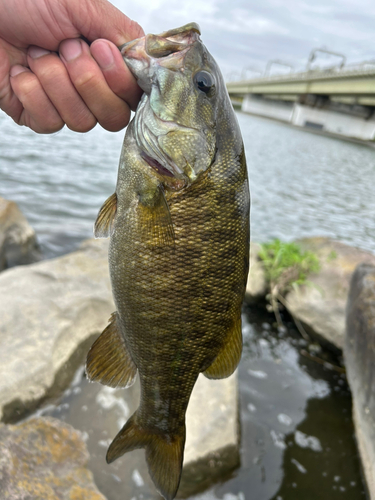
286, 266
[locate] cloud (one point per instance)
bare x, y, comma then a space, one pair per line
247, 32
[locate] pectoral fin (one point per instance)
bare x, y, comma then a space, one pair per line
155, 221
104, 222
229, 356
109, 360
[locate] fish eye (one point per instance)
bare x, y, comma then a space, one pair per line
204, 81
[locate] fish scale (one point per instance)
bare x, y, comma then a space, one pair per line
179, 248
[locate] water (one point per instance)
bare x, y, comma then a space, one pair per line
296, 428
301, 184
59, 180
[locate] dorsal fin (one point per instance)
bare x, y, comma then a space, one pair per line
104, 221
229, 356
108, 360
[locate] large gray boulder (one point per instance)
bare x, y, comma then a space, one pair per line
44, 458
320, 306
359, 354
50, 314
212, 437
212, 434
18, 244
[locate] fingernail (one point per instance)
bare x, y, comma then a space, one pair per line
103, 55
36, 52
71, 49
16, 70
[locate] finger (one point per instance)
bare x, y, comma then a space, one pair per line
115, 71
54, 78
47, 23
109, 109
9, 56
38, 112
106, 21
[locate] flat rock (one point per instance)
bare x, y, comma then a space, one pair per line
44, 458
359, 352
50, 313
321, 306
256, 287
18, 244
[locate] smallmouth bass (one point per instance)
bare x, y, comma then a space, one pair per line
179, 246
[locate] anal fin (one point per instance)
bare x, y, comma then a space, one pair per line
104, 221
229, 356
108, 360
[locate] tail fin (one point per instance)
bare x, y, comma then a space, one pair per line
164, 454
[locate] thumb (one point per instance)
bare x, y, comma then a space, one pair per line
100, 19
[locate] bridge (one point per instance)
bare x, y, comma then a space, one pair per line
340, 100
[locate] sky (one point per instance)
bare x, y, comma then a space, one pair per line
248, 33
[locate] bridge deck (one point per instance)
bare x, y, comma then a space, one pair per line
357, 82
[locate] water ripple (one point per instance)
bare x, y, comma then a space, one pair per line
301, 184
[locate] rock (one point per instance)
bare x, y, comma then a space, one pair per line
359, 352
18, 244
44, 458
256, 287
50, 313
212, 435
321, 306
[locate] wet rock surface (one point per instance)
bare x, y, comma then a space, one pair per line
321, 305
18, 244
44, 458
360, 363
297, 436
212, 435
50, 313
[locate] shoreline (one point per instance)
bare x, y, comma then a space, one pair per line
323, 133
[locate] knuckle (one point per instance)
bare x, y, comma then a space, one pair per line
85, 81
51, 71
28, 86
53, 125
115, 124
135, 29
83, 125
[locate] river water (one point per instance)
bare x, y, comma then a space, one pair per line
301, 184
296, 428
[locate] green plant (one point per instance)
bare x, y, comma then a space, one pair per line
332, 255
286, 266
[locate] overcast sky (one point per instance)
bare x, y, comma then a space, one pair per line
241, 33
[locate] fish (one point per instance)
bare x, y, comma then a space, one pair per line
179, 233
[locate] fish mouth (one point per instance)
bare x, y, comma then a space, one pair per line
167, 49
165, 44
145, 56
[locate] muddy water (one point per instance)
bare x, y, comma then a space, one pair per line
296, 428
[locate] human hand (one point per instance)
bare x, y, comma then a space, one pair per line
50, 77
